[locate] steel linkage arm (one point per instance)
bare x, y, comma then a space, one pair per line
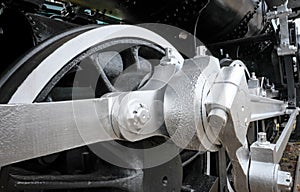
257, 168
33, 130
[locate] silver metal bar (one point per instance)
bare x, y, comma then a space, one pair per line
33, 130
284, 28
285, 135
263, 108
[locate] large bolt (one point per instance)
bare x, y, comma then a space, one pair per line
170, 59
201, 51
217, 118
262, 138
168, 52
137, 117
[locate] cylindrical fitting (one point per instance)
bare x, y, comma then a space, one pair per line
262, 138
217, 118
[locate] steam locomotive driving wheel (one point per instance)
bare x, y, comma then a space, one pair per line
129, 108
84, 63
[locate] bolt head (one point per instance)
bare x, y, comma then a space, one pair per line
217, 118
262, 137
143, 116
137, 117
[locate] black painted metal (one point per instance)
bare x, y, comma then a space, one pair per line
84, 171
290, 79
17, 72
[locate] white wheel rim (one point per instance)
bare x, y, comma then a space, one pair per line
51, 65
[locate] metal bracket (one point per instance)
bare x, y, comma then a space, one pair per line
282, 13
266, 156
